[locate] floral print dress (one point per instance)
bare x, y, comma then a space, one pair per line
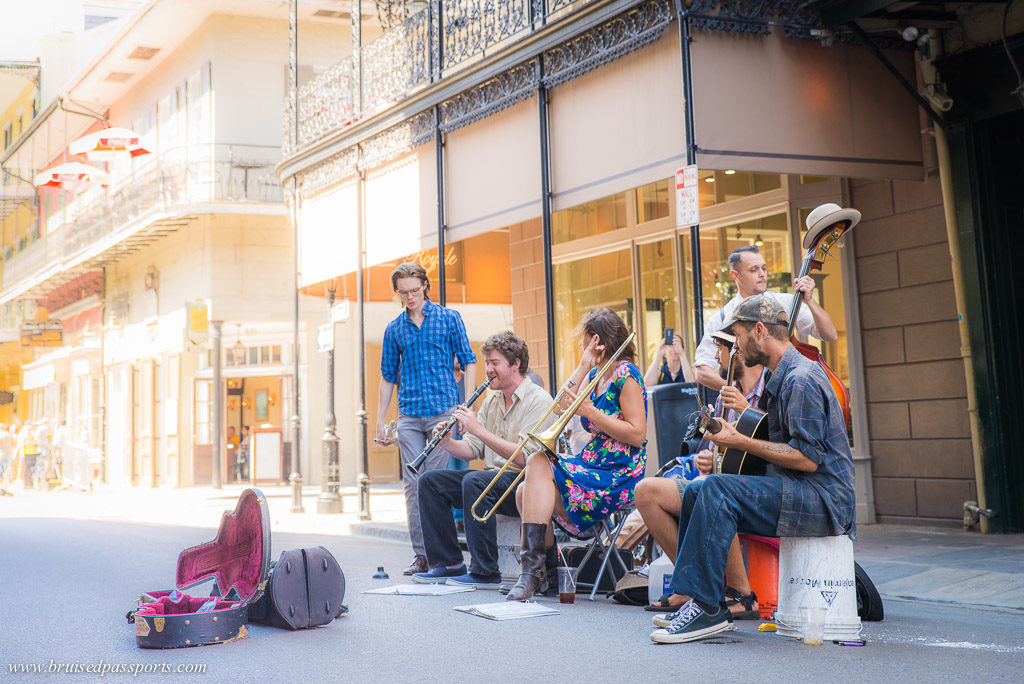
600, 480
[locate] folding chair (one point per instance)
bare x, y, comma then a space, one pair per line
606, 533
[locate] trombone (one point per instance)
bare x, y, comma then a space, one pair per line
548, 439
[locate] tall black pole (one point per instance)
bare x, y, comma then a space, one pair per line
356, 12
217, 460
330, 500
545, 219
439, 149
691, 158
364, 477
295, 478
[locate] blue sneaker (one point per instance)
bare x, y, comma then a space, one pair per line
438, 575
478, 581
692, 623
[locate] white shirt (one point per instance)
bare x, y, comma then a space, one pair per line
705, 355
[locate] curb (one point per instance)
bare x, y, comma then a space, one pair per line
398, 533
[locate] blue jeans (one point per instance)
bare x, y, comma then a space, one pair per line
713, 511
439, 491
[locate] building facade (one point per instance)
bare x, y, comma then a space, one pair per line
198, 223
553, 134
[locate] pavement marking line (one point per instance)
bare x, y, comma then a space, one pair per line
977, 647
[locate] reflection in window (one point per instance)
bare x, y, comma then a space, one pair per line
658, 293
723, 186
585, 220
652, 200
715, 245
602, 280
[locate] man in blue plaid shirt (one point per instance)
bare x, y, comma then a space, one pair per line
420, 347
809, 488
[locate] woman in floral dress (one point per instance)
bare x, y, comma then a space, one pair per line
580, 490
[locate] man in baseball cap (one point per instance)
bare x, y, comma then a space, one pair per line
809, 489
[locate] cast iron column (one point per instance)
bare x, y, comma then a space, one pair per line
545, 216
217, 458
295, 478
330, 492
364, 477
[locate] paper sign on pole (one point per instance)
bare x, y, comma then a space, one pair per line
687, 197
325, 337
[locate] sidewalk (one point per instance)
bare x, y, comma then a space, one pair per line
203, 507
943, 565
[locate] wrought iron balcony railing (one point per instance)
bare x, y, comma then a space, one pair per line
441, 39
177, 178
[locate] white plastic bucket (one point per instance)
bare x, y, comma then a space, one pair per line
509, 535
659, 578
816, 573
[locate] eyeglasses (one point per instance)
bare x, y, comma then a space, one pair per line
410, 293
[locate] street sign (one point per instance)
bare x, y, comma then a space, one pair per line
687, 197
341, 311
198, 321
42, 333
325, 337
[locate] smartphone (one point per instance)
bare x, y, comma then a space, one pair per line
670, 337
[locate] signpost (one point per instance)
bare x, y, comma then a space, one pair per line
325, 337
687, 197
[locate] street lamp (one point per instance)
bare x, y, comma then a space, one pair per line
329, 500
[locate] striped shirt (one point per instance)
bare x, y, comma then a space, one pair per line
420, 359
803, 412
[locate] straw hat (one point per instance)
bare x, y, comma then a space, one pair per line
824, 217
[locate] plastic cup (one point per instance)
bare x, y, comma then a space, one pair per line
814, 625
566, 585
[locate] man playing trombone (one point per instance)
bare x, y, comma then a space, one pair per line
512, 405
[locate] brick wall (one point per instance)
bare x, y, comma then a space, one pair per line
526, 254
916, 392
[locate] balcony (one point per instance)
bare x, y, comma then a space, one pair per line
102, 225
442, 39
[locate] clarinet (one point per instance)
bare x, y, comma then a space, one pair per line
414, 466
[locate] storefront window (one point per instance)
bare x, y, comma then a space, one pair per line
769, 234
724, 186
586, 220
580, 285
658, 293
652, 200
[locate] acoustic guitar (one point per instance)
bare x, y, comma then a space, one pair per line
752, 423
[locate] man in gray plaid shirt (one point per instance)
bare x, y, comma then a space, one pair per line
808, 491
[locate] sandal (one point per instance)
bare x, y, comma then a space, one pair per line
733, 597
662, 605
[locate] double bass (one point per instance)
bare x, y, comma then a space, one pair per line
818, 244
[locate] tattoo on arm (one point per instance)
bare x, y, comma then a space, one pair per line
780, 448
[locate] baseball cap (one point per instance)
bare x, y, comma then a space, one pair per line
759, 308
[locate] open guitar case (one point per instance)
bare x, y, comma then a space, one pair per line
304, 588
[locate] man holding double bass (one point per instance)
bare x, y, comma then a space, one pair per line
749, 271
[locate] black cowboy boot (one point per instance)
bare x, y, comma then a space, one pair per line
532, 560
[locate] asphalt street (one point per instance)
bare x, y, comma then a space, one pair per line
66, 585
